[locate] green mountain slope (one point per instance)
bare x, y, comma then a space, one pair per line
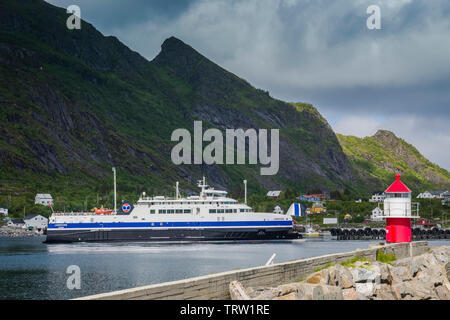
383, 154
74, 103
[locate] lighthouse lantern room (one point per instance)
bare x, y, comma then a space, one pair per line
398, 212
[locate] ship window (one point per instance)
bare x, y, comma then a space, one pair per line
228, 210
235, 210
220, 211
212, 210
242, 210
187, 210
152, 211
170, 211
162, 211
179, 211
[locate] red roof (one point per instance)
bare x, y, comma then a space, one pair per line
397, 186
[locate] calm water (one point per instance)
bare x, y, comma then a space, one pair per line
30, 269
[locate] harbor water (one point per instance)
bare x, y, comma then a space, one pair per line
30, 269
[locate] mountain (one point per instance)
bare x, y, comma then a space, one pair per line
383, 154
74, 103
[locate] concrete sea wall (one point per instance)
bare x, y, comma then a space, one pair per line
216, 286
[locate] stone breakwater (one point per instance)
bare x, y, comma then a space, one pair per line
6, 231
423, 277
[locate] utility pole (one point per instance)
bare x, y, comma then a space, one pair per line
115, 190
245, 191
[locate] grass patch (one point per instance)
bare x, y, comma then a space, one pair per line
385, 258
324, 267
351, 262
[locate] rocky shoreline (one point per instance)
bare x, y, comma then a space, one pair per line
14, 232
424, 277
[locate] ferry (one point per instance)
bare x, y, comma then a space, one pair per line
209, 216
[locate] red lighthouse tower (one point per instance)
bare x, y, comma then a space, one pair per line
398, 212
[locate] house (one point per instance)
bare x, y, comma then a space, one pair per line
16, 223
310, 198
318, 207
36, 221
434, 194
43, 198
424, 222
274, 194
446, 199
3, 211
297, 210
278, 209
377, 196
377, 214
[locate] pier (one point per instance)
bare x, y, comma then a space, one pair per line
216, 286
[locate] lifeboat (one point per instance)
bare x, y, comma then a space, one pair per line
102, 211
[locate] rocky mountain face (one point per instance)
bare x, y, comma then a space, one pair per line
74, 103
383, 154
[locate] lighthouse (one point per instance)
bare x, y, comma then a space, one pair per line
398, 212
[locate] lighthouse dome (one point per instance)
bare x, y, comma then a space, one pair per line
398, 186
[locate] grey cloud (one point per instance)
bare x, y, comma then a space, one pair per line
316, 51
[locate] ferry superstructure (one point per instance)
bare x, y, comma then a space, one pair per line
211, 216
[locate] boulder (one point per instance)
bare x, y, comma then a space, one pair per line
238, 292
365, 291
264, 295
350, 294
343, 277
383, 292
321, 277
285, 289
382, 273
361, 275
409, 264
290, 296
443, 292
332, 293
399, 274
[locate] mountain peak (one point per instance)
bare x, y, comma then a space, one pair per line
178, 54
384, 133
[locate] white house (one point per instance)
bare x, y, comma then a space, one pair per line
17, 223
274, 194
43, 198
434, 194
377, 214
4, 211
377, 197
36, 221
278, 209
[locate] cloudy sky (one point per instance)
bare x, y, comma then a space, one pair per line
318, 51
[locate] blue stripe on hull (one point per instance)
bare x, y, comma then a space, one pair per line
168, 224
